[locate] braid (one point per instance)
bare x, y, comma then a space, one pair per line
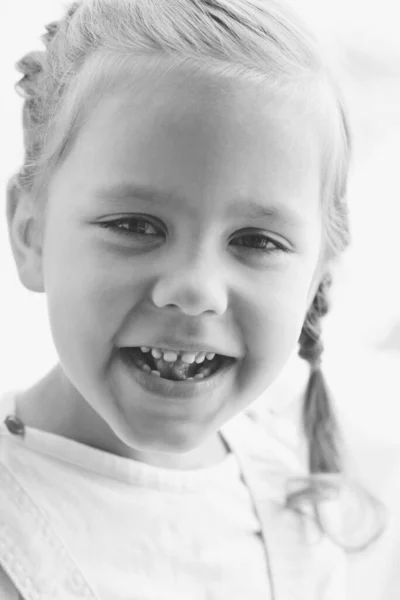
38, 88
32, 67
319, 421
353, 531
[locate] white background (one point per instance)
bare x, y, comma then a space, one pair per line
362, 333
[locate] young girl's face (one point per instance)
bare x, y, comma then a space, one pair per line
186, 217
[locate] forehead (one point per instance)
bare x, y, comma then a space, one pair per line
200, 131
163, 93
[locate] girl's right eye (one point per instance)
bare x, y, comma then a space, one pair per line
136, 227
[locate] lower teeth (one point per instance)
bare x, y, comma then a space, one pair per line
203, 373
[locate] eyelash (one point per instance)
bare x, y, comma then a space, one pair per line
263, 239
113, 225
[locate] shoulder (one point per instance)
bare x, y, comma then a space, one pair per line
7, 589
7, 403
7, 407
300, 551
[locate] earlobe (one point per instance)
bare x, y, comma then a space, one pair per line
25, 238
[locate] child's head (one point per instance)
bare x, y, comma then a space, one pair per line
214, 126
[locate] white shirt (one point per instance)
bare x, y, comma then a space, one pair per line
79, 523
141, 532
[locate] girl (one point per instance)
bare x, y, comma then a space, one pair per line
181, 204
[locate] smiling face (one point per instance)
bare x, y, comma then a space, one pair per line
186, 216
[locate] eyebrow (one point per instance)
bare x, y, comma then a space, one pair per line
240, 206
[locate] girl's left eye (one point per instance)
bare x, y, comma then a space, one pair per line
259, 242
134, 226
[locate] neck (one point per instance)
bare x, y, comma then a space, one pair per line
54, 406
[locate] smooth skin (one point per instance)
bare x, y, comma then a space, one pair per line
211, 192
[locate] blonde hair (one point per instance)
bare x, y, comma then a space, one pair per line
260, 39
237, 38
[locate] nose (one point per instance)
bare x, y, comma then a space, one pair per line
195, 288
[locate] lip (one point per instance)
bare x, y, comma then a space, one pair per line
184, 390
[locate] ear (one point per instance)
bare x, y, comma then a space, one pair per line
25, 237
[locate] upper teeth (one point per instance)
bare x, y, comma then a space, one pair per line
170, 356
189, 357
200, 357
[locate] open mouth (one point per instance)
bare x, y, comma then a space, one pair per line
178, 366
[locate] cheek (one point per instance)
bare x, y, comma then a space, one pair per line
275, 314
88, 295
